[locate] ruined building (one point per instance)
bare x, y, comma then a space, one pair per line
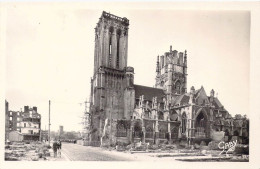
26, 123
122, 111
31, 124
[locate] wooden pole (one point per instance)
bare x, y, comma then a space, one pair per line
49, 121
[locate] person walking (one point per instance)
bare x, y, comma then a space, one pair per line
59, 148
55, 147
60, 144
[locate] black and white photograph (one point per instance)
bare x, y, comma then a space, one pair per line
137, 81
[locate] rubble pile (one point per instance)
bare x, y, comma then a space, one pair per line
20, 151
139, 146
153, 147
120, 148
200, 151
213, 145
15, 151
241, 149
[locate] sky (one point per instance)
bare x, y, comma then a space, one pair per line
50, 54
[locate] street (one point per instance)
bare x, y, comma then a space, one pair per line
75, 152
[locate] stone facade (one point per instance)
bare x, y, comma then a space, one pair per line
122, 111
112, 82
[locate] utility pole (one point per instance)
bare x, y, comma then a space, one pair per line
49, 121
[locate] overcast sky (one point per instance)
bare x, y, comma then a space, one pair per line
50, 55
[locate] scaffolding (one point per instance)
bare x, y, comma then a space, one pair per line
86, 121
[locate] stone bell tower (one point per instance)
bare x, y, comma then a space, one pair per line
111, 73
111, 42
171, 72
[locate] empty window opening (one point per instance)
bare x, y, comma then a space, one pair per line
118, 47
111, 30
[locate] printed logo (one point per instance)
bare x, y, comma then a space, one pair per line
226, 147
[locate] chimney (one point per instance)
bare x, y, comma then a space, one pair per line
26, 109
35, 109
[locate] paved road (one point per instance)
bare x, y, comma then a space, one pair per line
76, 152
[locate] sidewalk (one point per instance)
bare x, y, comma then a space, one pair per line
63, 157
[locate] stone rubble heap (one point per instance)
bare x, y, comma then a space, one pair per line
20, 151
200, 151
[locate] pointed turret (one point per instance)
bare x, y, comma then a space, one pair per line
157, 65
212, 93
185, 57
192, 90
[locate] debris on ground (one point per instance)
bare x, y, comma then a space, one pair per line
241, 149
24, 151
213, 145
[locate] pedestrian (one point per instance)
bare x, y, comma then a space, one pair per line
60, 144
55, 147
59, 148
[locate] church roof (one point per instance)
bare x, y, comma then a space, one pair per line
217, 103
182, 99
149, 92
197, 92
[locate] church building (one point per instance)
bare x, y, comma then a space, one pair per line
124, 112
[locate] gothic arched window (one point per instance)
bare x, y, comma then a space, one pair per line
173, 115
111, 30
178, 87
118, 33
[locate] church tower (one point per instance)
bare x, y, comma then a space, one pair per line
111, 41
171, 72
111, 74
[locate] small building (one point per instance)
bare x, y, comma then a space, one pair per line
31, 124
15, 136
